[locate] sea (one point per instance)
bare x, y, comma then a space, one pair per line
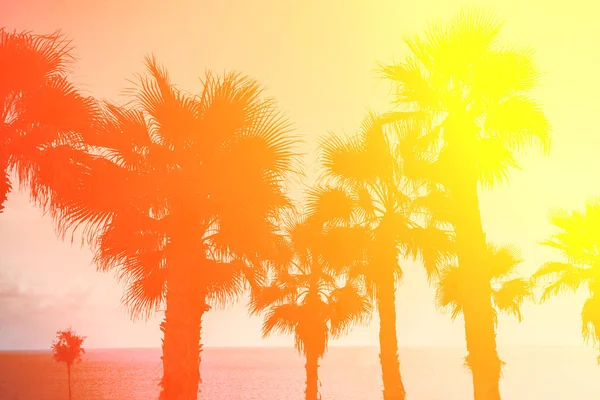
346, 373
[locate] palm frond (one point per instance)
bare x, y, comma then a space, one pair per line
343, 247
412, 86
5, 187
452, 291
282, 318
437, 206
329, 204
564, 278
554, 269
348, 308
342, 159
590, 319
494, 160
578, 233
365, 205
173, 114
448, 49
510, 296
267, 296
67, 347
30, 59
225, 280
514, 70
503, 260
146, 294
432, 246
519, 122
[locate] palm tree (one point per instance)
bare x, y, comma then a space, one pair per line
368, 177
309, 294
508, 292
41, 113
67, 348
473, 92
577, 237
180, 195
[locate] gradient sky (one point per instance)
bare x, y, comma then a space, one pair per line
318, 59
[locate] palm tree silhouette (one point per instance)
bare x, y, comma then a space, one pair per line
577, 237
508, 292
180, 195
309, 293
67, 349
41, 113
368, 176
473, 92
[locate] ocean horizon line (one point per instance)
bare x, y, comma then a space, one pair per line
267, 347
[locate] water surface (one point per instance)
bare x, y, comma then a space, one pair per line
278, 374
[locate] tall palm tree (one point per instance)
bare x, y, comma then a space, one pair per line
474, 93
577, 237
508, 292
367, 175
310, 295
67, 349
41, 114
180, 195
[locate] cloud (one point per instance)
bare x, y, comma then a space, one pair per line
29, 315
18, 302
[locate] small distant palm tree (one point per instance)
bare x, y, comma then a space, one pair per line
67, 348
577, 237
310, 296
508, 292
42, 115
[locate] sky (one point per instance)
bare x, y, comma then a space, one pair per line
319, 60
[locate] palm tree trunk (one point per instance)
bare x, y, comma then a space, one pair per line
185, 307
479, 316
393, 388
482, 358
69, 379
312, 375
